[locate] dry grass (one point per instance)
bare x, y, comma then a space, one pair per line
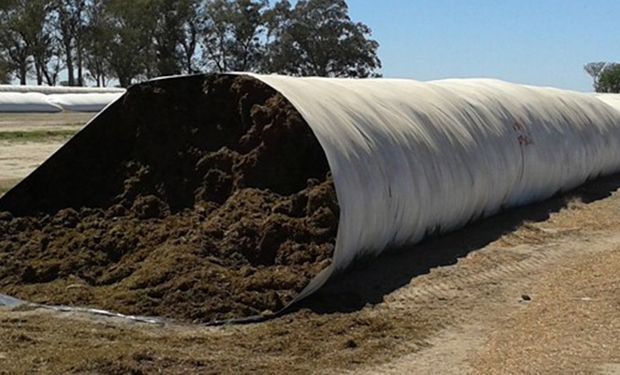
37, 135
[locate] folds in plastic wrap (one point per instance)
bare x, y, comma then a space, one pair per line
411, 158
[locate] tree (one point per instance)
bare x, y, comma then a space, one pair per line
175, 35
609, 79
130, 53
5, 76
100, 40
97, 37
191, 35
594, 69
233, 35
70, 16
17, 54
27, 39
53, 69
12, 41
318, 38
35, 28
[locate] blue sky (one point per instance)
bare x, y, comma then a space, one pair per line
540, 42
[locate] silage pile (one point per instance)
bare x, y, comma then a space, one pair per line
199, 199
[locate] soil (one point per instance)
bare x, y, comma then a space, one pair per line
198, 199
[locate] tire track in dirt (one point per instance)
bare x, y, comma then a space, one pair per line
486, 296
465, 332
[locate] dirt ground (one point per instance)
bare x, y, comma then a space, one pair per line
533, 290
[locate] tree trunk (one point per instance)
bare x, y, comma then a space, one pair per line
80, 78
37, 68
123, 81
50, 78
71, 76
22, 74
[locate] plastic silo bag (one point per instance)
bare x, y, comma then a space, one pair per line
86, 102
409, 158
26, 102
60, 89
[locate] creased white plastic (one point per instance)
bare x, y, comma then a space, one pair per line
411, 158
39, 102
26, 102
611, 99
87, 102
60, 89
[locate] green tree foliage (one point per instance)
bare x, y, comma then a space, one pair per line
129, 53
12, 40
605, 75
27, 40
609, 79
38, 34
175, 35
97, 37
5, 76
317, 37
70, 22
191, 33
128, 41
234, 34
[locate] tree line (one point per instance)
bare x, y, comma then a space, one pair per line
606, 76
103, 41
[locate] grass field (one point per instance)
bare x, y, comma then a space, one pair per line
37, 135
42, 119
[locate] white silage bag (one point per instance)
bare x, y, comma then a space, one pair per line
88, 102
26, 102
410, 158
611, 99
60, 89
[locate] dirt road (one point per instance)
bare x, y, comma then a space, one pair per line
533, 290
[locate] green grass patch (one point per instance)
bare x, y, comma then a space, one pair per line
37, 135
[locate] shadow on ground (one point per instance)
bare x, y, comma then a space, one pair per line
369, 280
